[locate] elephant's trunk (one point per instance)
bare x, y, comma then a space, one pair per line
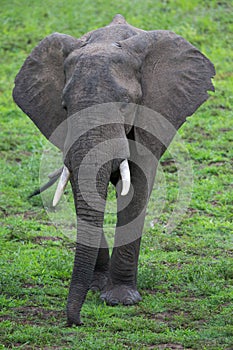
84, 265
90, 225
91, 161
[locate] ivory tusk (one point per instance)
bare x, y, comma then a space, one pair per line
125, 176
65, 175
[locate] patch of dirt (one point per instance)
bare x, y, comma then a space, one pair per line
53, 348
169, 165
216, 163
3, 211
165, 316
190, 298
34, 315
172, 318
229, 253
192, 211
214, 203
40, 239
30, 214
31, 285
168, 316
225, 129
168, 346
29, 347
167, 162
154, 291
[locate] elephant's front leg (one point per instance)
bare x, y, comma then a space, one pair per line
122, 284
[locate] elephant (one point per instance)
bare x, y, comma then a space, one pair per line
111, 101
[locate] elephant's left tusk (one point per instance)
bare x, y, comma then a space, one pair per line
125, 176
65, 175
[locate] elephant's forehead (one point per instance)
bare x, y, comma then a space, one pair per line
90, 53
111, 34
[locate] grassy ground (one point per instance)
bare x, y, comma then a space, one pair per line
186, 276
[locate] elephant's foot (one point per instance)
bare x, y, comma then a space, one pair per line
121, 294
99, 281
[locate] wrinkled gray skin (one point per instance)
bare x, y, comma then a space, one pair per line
117, 63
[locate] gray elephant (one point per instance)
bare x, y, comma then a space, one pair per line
84, 94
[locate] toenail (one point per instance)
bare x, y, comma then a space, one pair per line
128, 301
113, 302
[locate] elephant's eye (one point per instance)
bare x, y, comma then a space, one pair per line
117, 44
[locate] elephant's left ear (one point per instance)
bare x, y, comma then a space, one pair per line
175, 76
40, 82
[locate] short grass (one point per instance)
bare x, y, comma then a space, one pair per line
185, 276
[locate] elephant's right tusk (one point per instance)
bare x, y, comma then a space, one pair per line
125, 176
65, 175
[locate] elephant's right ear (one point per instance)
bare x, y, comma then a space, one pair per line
40, 82
175, 80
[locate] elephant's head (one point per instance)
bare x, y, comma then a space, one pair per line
117, 63
63, 76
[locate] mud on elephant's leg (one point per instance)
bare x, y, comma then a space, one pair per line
101, 272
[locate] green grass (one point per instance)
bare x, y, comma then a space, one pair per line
186, 276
